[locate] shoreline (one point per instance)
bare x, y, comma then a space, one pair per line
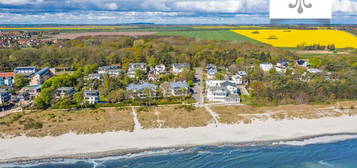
12, 149
123, 152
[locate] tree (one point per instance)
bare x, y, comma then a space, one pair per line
116, 96
21, 81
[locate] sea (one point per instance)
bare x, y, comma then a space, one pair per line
332, 151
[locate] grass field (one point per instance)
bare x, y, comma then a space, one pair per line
247, 114
293, 38
181, 116
58, 122
219, 35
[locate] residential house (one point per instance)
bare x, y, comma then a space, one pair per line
112, 70
302, 63
94, 77
314, 70
133, 67
63, 92
41, 76
281, 69
175, 88
159, 69
211, 71
32, 91
283, 63
145, 90
152, 76
26, 71
7, 78
178, 68
4, 96
222, 91
266, 66
240, 78
91, 96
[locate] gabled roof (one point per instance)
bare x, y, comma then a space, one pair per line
7, 74
43, 71
181, 65
143, 86
176, 85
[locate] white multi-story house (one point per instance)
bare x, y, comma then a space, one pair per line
222, 91
283, 63
112, 70
91, 96
175, 88
133, 67
159, 69
145, 90
94, 77
178, 68
63, 92
266, 66
240, 78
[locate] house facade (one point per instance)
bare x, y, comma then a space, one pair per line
32, 91
222, 91
41, 76
4, 96
266, 66
26, 71
240, 78
91, 96
133, 67
145, 90
112, 70
211, 71
159, 69
63, 92
178, 68
7, 78
175, 89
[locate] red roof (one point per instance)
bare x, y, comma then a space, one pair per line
7, 74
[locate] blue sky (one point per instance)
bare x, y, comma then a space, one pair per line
154, 11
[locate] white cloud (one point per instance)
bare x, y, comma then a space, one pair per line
14, 2
111, 6
345, 6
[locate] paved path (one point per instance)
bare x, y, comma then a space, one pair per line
198, 89
137, 125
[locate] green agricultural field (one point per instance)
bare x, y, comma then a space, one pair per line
218, 35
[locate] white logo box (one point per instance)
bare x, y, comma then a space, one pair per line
310, 9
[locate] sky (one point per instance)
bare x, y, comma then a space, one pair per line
151, 11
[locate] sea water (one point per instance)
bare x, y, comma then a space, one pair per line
308, 153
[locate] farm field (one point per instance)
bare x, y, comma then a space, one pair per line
218, 35
293, 38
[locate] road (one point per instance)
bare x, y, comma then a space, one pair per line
198, 89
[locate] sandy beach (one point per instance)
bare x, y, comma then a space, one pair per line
69, 144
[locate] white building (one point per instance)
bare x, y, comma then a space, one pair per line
266, 66
91, 96
112, 70
159, 69
302, 63
178, 68
240, 78
133, 67
211, 71
222, 91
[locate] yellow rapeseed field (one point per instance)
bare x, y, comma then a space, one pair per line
293, 38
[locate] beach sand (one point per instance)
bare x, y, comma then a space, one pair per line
21, 148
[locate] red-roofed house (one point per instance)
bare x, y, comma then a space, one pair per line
7, 78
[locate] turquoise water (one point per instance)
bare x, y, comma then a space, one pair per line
341, 154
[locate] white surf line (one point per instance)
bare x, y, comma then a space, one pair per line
213, 114
137, 125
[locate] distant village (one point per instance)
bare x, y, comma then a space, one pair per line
206, 87
20, 39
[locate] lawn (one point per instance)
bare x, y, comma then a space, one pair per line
219, 35
293, 38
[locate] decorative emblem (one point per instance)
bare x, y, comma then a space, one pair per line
301, 4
